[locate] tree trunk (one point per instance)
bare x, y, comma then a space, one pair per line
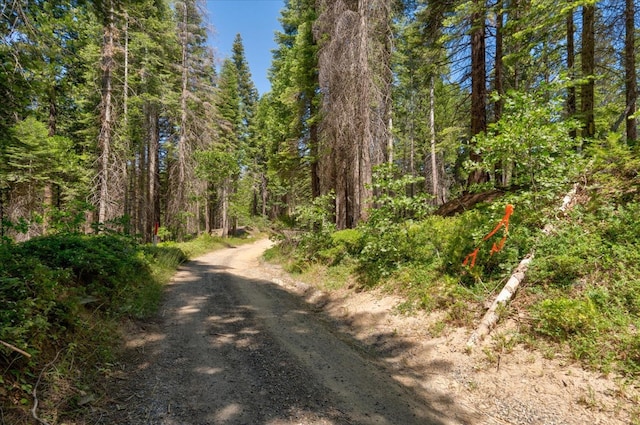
432, 127
125, 125
363, 173
587, 91
571, 91
48, 184
499, 65
179, 185
142, 191
491, 316
225, 208
630, 71
478, 86
104, 138
314, 151
353, 66
153, 135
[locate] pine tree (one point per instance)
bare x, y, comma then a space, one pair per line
221, 161
195, 85
291, 111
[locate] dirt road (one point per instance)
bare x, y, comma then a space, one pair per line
230, 347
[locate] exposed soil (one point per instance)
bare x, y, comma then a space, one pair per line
240, 342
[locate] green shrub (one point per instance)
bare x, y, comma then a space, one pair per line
561, 318
350, 239
566, 256
64, 293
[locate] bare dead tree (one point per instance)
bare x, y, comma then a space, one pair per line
354, 77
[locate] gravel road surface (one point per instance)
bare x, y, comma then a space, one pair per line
230, 347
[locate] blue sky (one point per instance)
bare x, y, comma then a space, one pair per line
256, 21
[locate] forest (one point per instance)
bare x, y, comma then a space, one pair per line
399, 140
114, 115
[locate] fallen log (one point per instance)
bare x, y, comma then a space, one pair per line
491, 316
467, 202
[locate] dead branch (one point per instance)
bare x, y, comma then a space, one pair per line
16, 349
34, 409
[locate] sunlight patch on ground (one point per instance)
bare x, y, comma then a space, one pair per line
228, 413
145, 339
208, 370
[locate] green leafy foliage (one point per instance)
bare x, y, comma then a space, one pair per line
585, 277
63, 293
317, 225
562, 317
539, 159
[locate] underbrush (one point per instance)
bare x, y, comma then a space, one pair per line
581, 297
587, 288
63, 297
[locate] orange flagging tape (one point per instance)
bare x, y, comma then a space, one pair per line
496, 246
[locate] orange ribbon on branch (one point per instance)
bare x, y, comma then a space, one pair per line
496, 246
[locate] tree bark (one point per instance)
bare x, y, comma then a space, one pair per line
630, 71
432, 128
106, 118
363, 173
478, 86
491, 316
587, 91
499, 65
153, 201
182, 142
353, 75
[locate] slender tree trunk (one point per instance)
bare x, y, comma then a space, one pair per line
630, 71
225, 208
125, 125
154, 168
105, 136
571, 91
314, 144
502, 173
143, 192
48, 184
587, 91
499, 65
478, 86
182, 141
432, 128
265, 194
362, 178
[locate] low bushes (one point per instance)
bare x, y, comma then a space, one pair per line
582, 291
62, 296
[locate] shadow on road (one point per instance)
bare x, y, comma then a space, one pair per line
228, 349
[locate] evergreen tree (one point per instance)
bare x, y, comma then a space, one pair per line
293, 124
220, 162
195, 86
247, 93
